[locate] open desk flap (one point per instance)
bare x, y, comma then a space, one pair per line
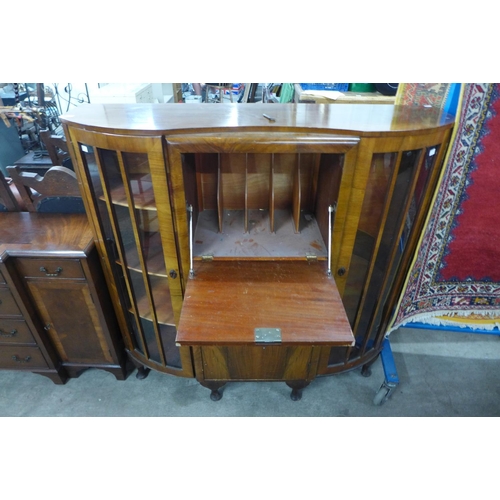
226, 301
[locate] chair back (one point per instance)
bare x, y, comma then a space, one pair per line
57, 148
8, 202
56, 192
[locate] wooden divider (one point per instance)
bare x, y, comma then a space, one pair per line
282, 187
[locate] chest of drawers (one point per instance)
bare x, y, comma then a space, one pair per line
56, 317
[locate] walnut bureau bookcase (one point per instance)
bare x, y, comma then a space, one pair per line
254, 241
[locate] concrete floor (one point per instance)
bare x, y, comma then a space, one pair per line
441, 374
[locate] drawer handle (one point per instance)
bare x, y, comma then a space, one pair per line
3, 333
51, 275
17, 359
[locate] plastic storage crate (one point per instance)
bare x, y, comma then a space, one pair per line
341, 87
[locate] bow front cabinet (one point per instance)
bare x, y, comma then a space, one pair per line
255, 241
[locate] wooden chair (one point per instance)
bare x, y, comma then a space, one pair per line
57, 148
56, 192
8, 201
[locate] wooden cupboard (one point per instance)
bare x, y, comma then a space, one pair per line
254, 241
56, 316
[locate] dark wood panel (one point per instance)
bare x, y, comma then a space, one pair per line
71, 321
256, 362
8, 306
15, 331
22, 358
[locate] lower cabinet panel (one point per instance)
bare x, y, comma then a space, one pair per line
256, 362
71, 320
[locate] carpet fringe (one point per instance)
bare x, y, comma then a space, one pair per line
438, 318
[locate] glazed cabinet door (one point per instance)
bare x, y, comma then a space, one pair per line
125, 184
393, 187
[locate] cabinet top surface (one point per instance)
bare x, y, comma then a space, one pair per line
150, 119
33, 234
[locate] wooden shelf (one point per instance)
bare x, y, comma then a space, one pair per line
141, 190
153, 252
258, 241
162, 301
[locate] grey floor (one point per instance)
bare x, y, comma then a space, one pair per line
441, 373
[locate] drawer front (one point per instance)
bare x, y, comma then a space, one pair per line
15, 331
8, 306
50, 268
21, 358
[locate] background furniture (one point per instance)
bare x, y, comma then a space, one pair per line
56, 317
34, 161
10, 146
123, 93
219, 90
57, 149
347, 97
57, 191
189, 201
8, 201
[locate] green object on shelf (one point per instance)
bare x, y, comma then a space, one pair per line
362, 87
287, 90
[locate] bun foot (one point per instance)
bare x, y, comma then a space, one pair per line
215, 395
296, 386
142, 372
366, 371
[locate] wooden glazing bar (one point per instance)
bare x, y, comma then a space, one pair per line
142, 260
271, 195
296, 196
392, 256
121, 250
415, 233
162, 295
220, 198
246, 193
179, 222
371, 266
91, 201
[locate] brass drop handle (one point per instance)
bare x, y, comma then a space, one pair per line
17, 359
3, 333
51, 275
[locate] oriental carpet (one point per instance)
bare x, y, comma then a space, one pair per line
455, 276
422, 94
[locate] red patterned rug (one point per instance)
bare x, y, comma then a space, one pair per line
456, 272
423, 94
